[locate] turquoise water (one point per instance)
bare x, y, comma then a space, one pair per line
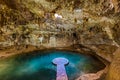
38, 65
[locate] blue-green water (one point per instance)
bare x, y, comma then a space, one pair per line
38, 65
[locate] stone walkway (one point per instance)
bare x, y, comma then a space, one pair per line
61, 72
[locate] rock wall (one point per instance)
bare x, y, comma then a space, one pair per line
88, 22
114, 70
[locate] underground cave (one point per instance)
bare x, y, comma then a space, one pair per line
34, 33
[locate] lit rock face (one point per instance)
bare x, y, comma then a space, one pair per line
61, 72
114, 71
83, 17
92, 23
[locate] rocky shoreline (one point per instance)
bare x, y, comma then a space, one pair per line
94, 76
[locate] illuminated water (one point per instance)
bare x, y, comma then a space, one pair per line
38, 65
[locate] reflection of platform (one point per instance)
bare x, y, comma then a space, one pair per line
61, 72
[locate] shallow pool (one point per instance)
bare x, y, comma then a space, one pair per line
38, 65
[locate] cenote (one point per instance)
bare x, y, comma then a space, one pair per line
38, 65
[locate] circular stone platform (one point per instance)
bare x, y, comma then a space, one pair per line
60, 61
